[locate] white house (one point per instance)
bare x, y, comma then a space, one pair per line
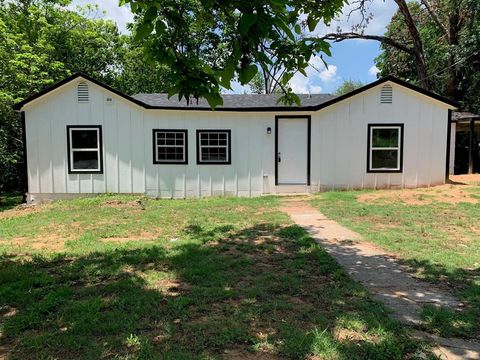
84, 137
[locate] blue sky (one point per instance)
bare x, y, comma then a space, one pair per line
351, 59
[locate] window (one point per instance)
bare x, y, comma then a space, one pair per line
213, 147
170, 147
385, 148
84, 149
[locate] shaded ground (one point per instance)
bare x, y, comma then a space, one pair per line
383, 276
437, 236
10, 200
217, 278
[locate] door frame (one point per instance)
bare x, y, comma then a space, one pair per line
309, 140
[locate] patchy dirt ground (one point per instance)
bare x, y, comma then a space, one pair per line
458, 191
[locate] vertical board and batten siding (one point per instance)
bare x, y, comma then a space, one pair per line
338, 146
339, 141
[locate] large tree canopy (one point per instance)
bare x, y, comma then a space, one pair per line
209, 43
42, 42
434, 43
450, 34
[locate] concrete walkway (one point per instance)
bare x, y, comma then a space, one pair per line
382, 275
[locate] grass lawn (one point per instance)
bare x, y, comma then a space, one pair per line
436, 231
132, 278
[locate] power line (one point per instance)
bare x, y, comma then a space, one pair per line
454, 64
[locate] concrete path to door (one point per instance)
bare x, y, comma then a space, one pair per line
386, 279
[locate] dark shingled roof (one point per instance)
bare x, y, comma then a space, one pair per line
246, 102
232, 101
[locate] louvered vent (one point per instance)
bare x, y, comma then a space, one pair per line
386, 94
82, 92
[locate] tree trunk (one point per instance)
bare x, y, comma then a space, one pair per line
417, 49
454, 25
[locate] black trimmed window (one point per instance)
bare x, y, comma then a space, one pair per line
213, 147
385, 148
84, 146
170, 146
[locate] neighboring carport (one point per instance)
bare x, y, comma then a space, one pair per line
466, 142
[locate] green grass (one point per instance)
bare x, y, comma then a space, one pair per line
440, 241
133, 278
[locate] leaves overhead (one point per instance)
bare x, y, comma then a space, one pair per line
210, 43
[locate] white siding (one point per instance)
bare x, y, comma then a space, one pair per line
453, 134
338, 145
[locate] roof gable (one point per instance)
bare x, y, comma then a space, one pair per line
18, 106
250, 102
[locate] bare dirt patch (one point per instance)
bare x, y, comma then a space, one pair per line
137, 204
21, 210
347, 335
451, 194
467, 179
50, 242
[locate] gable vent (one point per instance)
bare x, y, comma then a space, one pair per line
386, 94
82, 92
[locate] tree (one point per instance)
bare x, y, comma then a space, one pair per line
426, 36
265, 83
138, 74
42, 42
453, 61
209, 43
414, 47
257, 84
348, 86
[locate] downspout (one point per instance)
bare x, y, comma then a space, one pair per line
449, 140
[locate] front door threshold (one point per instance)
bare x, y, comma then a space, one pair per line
292, 189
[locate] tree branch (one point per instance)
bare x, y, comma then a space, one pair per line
434, 16
337, 37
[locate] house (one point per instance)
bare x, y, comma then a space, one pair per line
84, 137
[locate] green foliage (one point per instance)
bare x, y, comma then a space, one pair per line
42, 42
453, 62
348, 86
257, 84
209, 43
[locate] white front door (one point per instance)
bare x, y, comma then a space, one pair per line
292, 146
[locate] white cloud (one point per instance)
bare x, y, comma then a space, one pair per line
120, 14
315, 89
329, 74
373, 71
299, 84
317, 73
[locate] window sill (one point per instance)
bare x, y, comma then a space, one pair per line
384, 171
170, 163
85, 172
214, 163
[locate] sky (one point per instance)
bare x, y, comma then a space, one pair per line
351, 59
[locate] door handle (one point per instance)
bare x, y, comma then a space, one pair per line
279, 157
